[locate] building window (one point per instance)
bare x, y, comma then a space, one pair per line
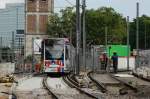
31, 0
43, 0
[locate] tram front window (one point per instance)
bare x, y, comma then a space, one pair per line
54, 55
54, 51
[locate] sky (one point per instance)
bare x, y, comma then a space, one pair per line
3, 2
124, 7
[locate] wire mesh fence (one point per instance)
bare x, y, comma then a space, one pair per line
10, 54
5, 50
144, 56
144, 64
93, 62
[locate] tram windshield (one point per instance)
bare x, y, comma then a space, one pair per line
54, 49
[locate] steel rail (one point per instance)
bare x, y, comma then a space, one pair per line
14, 96
72, 80
45, 85
98, 84
141, 77
67, 79
135, 89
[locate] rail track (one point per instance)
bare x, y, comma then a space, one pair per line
69, 79
99, 85
135, 89
60, 90
129, 87
12, 96
142, 87
32, 88
141, 77
112, 86
45, 85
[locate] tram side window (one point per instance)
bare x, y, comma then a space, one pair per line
42, 51
62, 56
67, 53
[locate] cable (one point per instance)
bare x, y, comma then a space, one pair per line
69, 3
60, 7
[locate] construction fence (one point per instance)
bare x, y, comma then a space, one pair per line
144, 57
92, 61
11, 52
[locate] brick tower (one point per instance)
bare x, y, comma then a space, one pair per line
37, 13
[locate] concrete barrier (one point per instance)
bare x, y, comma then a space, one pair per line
122, 63
7, 68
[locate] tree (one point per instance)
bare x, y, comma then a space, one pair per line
63, 24
144, 24
54, 26
97, 20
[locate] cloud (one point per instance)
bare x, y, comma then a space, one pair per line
3, 2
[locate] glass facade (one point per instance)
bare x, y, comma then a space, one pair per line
12, 18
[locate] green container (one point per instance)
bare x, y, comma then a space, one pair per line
121, 50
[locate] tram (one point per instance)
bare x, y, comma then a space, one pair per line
55, 55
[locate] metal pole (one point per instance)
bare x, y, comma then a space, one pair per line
13, 54
145, 36
71, 50
17, 18
78, 32
106, 33
19, 47
1, 48
137, 35
84, 35
106, 39
32, 68
128, 29
93, 59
